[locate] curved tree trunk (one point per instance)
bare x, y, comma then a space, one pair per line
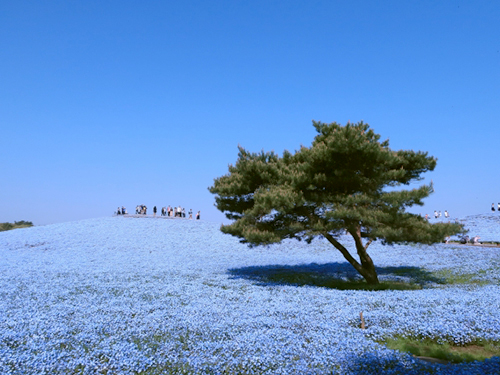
366, 268
369, 273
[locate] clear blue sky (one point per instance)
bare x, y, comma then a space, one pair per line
111, 103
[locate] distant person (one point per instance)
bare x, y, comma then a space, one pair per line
476, 239
435, 214
118, 211
498, 206
198, 216
446, 214
183, 212
124, 210
190, 213
427, 216
154, 211
493, 207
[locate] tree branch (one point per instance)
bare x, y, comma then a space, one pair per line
368, 243
355, 232
344, 251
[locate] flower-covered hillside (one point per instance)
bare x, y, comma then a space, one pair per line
123, 295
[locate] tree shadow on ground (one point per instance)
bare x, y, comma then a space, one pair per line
336, 276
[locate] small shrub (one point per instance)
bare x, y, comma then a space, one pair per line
17, 224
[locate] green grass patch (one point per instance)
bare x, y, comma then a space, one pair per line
477, 351
15, 225
450, 277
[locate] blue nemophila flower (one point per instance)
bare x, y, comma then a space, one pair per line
121, 296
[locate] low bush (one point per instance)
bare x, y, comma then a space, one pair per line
15, 225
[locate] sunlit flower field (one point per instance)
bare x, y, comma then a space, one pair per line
125, 295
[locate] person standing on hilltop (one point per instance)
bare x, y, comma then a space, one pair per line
498, 206
493, 207
154, 211
198, 216
190, 213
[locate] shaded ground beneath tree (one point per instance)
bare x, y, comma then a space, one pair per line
336, 275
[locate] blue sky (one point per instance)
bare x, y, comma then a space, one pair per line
111, 103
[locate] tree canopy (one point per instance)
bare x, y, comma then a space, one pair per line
346, 182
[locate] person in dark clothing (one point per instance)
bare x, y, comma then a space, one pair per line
198, 216
154, 211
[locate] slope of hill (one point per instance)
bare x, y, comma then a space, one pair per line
121, 295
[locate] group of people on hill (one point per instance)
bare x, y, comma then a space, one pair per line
121, 211
176, 212
167, 211
437, 215
467, 239
141, 209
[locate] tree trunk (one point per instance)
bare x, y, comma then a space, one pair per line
369, 272
366, 268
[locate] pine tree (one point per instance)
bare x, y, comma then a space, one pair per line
344, 183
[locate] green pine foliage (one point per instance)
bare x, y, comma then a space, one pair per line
345, 182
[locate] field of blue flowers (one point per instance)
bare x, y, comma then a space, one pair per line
151, 296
